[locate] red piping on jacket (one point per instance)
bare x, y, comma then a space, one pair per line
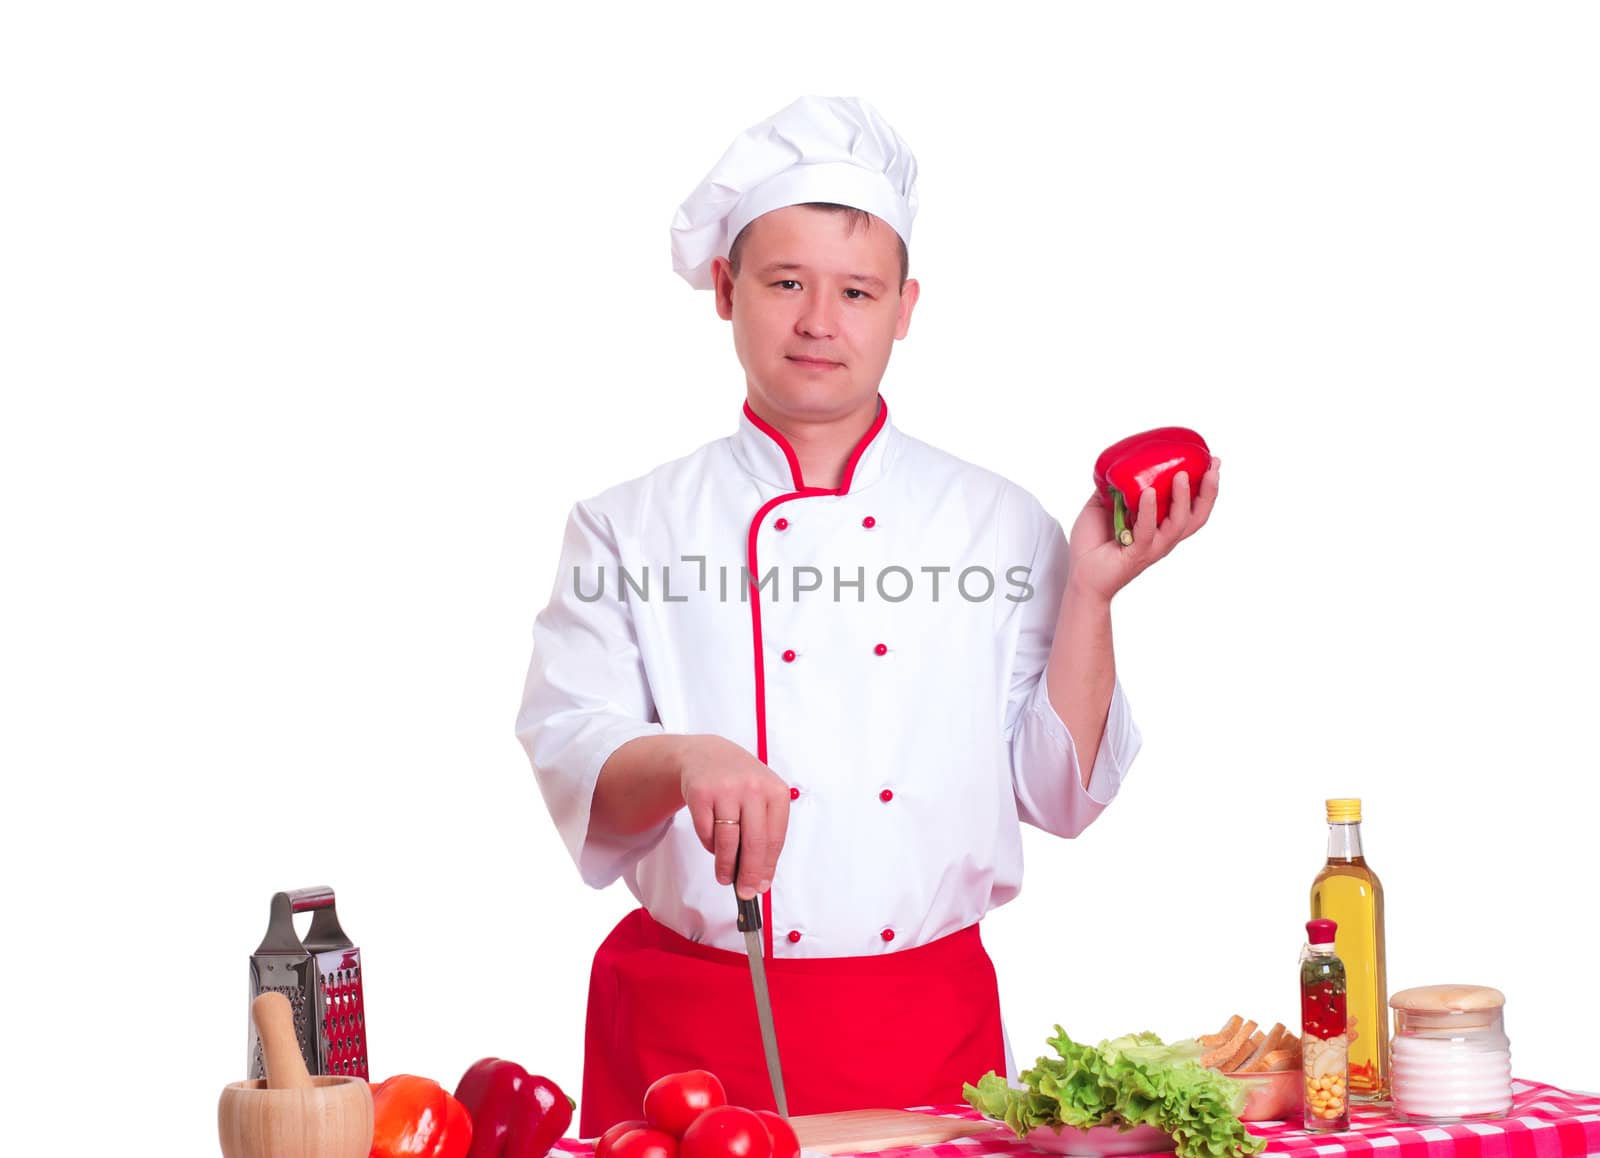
801, 491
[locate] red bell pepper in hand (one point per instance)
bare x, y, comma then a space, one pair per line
1126, 469
413, 1117
515, 1114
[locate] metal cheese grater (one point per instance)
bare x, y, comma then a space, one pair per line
321, 977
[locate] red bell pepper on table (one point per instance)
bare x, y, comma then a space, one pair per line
1150, 460
515, 1114
414, 1117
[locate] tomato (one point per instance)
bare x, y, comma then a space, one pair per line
784, 1142
609, 1138
727, 1132
645, 1143
673, 1102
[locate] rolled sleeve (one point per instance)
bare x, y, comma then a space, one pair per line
586, 695
1046, 774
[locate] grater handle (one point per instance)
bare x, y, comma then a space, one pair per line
325, 932
308, 900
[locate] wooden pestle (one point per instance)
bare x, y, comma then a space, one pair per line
292, 1114
280, 1048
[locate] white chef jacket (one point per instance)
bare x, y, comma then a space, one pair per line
907, 711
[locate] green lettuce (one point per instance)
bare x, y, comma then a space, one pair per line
1129, 1081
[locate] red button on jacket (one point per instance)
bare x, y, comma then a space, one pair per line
886, 795
788, 657
794, 794
794, 935
888, 934
782, 524
881, 649
869, 522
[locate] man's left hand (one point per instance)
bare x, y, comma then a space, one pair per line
1101, 566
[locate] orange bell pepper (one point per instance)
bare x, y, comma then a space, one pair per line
414, 1117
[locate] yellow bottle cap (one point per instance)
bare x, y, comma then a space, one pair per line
1346, 810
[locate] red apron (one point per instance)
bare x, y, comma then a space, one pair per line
901, 1029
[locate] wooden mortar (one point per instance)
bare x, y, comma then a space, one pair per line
292, 1114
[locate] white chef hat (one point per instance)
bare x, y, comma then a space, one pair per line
837, 149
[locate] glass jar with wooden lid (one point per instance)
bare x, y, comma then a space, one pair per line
1451, 1058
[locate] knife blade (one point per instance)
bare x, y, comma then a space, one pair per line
750, 926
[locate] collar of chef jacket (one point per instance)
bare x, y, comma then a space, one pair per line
765, 453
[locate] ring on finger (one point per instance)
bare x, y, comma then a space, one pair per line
717, 821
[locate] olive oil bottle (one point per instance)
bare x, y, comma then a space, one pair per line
1347, 891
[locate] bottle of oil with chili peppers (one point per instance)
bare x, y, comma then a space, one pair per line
1349, 892
1324, 1033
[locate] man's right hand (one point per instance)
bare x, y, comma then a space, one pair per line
722, 782
646, 781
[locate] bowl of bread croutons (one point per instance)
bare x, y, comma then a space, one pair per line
1266, 1063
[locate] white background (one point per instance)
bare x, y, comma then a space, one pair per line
318, 318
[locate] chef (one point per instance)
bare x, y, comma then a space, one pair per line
837, 656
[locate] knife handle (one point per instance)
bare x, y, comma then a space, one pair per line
750, 915
749, 911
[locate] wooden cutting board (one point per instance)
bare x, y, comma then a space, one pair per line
865, 1131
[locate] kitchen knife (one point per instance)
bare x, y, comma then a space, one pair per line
750, 926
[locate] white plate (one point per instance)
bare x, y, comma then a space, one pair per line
1100, 1141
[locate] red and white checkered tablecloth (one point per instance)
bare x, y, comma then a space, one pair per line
1544, 1122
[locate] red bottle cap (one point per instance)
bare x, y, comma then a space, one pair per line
1321, 931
